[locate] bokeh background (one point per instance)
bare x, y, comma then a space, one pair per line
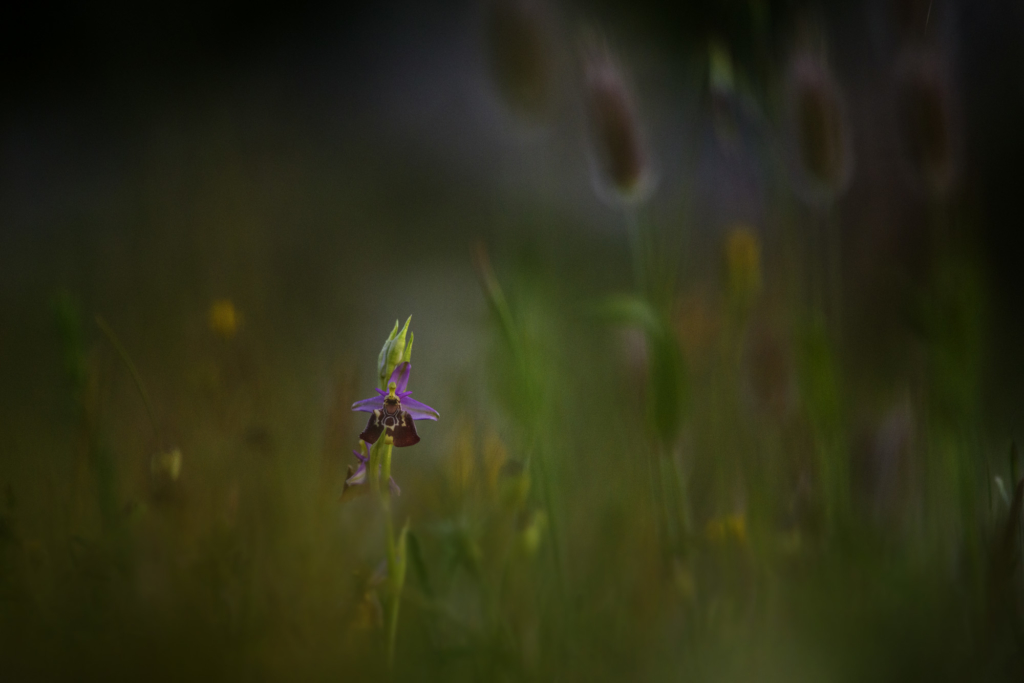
802, 469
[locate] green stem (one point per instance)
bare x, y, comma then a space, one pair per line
637, 247
394, 579
549, 507
126, 359
654, 286
832, 282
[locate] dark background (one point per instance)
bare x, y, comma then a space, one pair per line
95, 71
328, 169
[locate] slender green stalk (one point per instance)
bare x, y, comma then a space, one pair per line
395, 574
653, 285
531, 418
833, 239
638, 250
126, 359
549, 507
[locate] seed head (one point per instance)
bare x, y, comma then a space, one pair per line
914, 19
521, 54
817, 118
614, 126
924, 119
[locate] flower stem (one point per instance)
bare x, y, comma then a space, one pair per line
637, 247
394, 575
654, 284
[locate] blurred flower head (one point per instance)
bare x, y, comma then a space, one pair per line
697, 324
722, 93
730, 528
914, 19
521, 54
616, 138
924, 119
769, 381
166, 466
743, 264
822, 151
224, 319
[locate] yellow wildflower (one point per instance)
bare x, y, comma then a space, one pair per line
224, 318
166, 464
743, 263
728, 528
533, 534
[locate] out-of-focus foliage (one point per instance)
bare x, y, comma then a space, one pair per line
705, 306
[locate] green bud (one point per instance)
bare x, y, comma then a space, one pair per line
393, 353
407, 356
382, 359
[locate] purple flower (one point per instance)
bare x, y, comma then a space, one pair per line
359, 475
394, 411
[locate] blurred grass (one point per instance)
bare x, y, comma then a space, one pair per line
248, 565
839, 513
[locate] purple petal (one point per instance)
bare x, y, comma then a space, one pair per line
400, 375
368, 405
395, 491
359, 456
358, 477
419, 411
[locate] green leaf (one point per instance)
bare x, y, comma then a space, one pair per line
624, 309
418, 565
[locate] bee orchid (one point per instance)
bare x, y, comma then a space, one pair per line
394, 411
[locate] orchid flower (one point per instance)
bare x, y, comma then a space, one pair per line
394, 410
